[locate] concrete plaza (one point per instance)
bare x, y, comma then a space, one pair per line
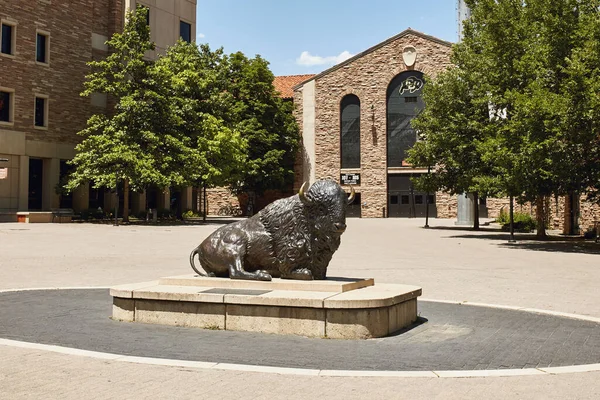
449, 263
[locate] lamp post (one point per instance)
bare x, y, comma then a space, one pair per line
427, 201
117, 202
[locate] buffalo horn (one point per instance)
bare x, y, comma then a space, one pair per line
302, 195
352, 195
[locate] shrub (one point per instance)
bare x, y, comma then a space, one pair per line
165, 213
93, 213
191, 214
141, 214
522, 222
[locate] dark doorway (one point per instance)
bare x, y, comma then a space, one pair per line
353, 210
66, 199
404, 201
151, 197
96, 198
36, 183
175, 206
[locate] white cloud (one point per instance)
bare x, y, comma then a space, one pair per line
309, 60
200, 36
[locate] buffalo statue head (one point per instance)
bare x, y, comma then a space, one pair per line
326, 202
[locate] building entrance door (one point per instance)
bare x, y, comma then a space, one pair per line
404, 201
36, 174
353, 210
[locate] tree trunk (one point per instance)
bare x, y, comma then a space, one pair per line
476, 211
126, 200
204, 202
540, 216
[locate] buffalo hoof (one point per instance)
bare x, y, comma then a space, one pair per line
263, 276
303, 274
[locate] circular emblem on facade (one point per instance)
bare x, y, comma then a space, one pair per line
409, 55
411, 85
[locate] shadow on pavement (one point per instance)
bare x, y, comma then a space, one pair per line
463, 228
174, 222
420, 321
529, 242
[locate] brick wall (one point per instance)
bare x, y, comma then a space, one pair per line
70, 24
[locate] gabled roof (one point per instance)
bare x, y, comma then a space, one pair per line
285, 84
406, 32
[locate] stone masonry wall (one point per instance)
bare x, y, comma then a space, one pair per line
298, 165
446, 204
368, 78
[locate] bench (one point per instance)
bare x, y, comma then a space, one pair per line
63, 214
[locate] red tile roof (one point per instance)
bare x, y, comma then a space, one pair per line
284, 84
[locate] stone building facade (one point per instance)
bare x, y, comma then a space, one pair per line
368, 76
46, 45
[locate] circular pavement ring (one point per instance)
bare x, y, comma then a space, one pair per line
453, 340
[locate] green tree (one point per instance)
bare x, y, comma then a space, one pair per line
519, 60
451, 132
147, 138
198, 107
265, 122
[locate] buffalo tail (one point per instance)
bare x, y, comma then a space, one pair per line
192, 255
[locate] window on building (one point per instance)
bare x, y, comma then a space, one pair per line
185, 31
7, 38
41, 112
5, 106
42, 47
350, 131
404, 102
145, 8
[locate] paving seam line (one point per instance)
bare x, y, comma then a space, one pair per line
314, 372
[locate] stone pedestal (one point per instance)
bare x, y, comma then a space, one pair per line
334, 308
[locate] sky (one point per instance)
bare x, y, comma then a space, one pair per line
309, 36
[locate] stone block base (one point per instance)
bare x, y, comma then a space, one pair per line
366, 312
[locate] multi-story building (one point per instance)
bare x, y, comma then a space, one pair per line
45, 48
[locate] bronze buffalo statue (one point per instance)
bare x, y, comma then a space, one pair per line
291, 238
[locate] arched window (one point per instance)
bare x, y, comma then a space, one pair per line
404, 102
350, 131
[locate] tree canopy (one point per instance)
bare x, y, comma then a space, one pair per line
524, 93
192, 117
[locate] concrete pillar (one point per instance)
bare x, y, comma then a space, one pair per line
50, 179
81, 198
465, 210
186, 199
138, 202
23, 183
164, 199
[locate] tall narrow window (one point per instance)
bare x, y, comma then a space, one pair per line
404, 102
350, 131
5, 105
41, 54
185, 31
7, 37
41, 112
147, 13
